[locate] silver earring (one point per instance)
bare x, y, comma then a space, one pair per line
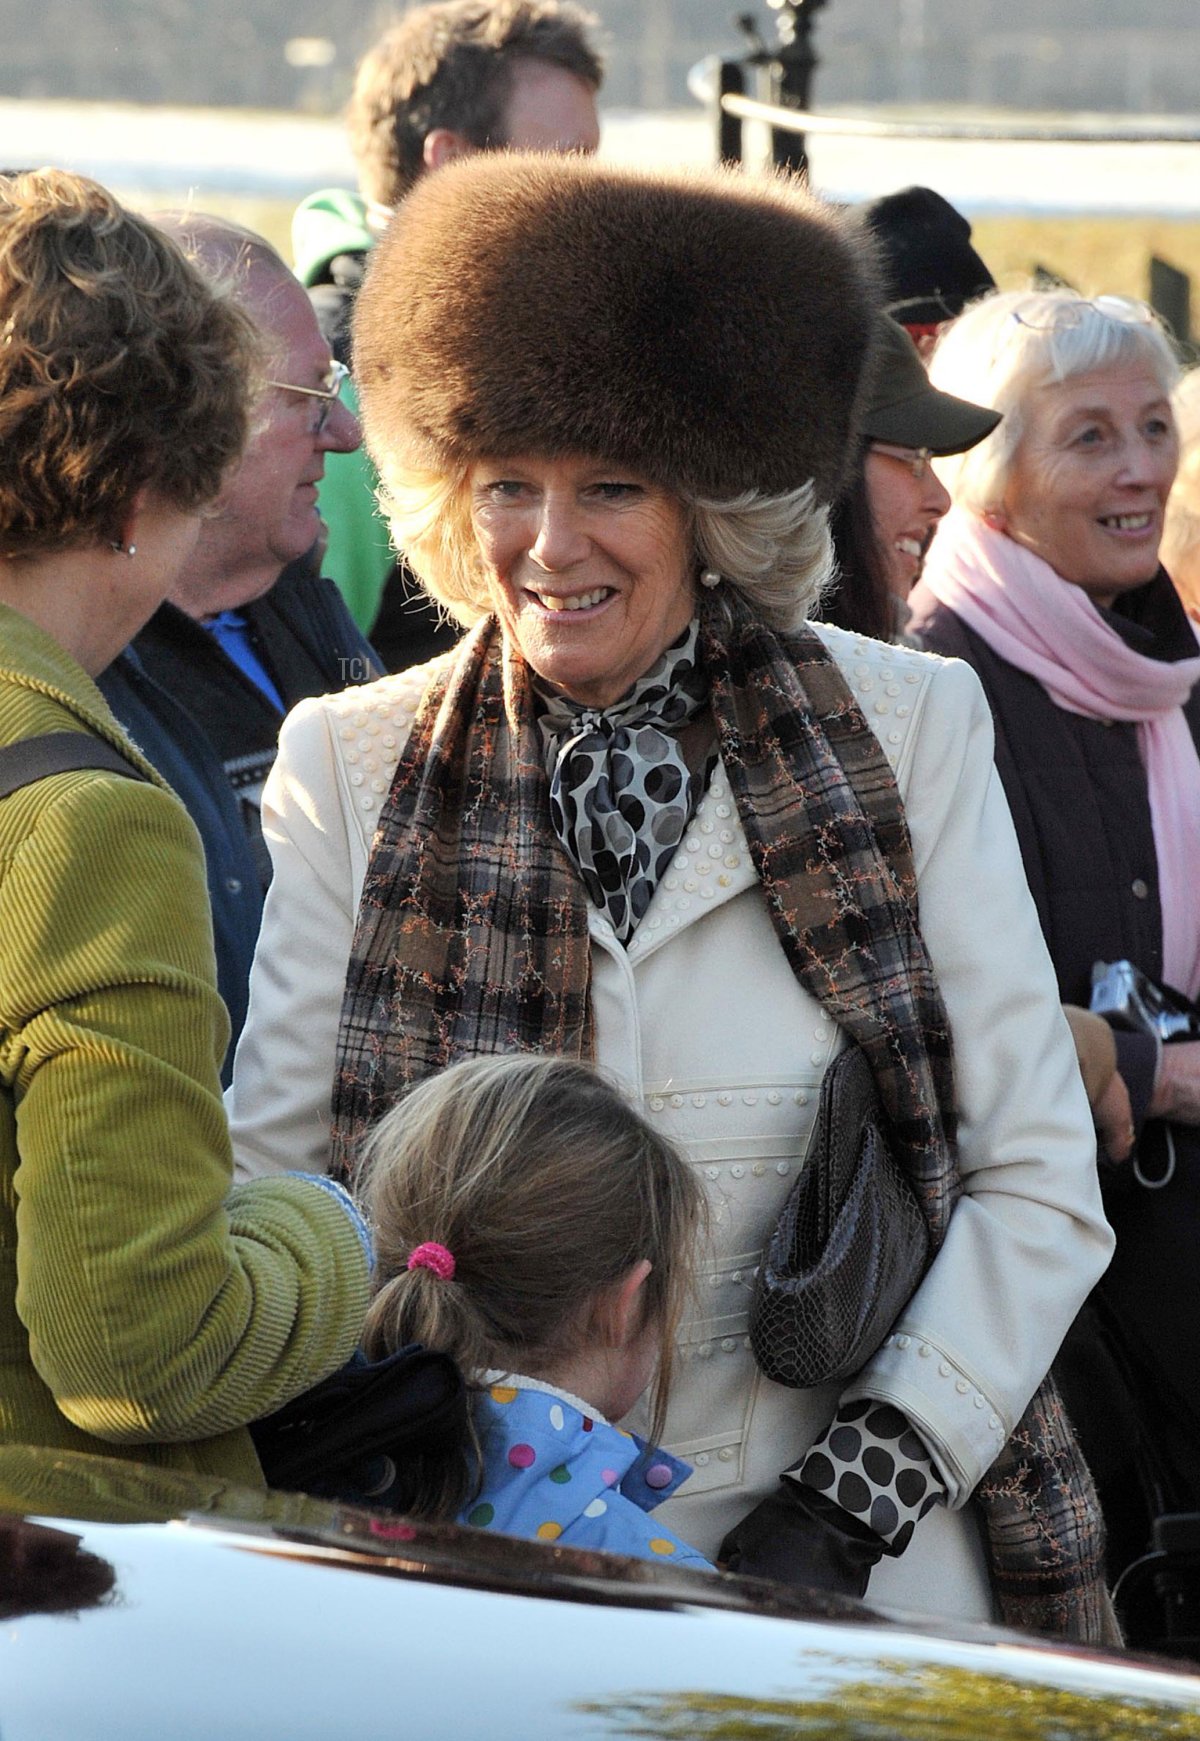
119, 548
709, 577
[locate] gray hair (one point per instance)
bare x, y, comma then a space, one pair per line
224, 252
777, 550
1003, 347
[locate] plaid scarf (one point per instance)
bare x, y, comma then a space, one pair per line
472, 937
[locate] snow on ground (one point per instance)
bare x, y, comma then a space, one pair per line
172, 151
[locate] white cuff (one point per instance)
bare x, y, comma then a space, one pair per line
963, 1426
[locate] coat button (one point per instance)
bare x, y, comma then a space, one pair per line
233, 885
1139, 888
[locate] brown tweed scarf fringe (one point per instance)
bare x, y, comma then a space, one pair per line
472, 937
472, 932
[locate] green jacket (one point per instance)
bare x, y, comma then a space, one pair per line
146, 1309
359, 556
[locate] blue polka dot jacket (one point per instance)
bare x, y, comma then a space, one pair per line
555, 1474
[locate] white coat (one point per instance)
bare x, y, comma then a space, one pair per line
703, 1024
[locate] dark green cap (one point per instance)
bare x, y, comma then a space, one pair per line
903, 405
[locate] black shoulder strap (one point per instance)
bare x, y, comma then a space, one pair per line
59, 752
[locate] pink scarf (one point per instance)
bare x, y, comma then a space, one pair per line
1050, 629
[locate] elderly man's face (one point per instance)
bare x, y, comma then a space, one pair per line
267, 514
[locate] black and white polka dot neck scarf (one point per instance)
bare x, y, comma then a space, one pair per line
621, 791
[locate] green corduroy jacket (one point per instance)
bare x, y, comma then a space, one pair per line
147, 1309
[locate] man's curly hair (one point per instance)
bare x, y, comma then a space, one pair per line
451, 64
119, 367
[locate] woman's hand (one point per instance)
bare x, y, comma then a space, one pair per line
1108, 1097
798, 1536
1112, 1115
1177, 1085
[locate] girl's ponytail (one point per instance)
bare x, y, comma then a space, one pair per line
421, 1301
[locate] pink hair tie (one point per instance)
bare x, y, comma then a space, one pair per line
433, 1256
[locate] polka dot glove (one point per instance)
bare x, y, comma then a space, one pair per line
876, 1467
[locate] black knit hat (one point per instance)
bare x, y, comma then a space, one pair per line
903, 405
707, 329
930, 269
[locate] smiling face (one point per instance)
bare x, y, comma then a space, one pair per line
1090, 478
589, 567
905, 511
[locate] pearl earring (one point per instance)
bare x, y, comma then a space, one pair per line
709, 577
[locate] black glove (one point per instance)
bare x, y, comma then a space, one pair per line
798, 1536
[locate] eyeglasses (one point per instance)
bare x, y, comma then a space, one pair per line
915, 458
1065, 315
329, 394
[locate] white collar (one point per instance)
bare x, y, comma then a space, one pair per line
520, 1381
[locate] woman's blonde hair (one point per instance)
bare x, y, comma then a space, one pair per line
547, 1188
1003, 347
119, 366
776, 550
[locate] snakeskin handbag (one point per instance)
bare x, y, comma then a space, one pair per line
849, 1248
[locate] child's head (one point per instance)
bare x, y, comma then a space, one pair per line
549, 1191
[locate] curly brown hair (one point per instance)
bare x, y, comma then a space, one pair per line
451, 65
119, 367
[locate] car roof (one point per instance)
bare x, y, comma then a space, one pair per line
264, 1615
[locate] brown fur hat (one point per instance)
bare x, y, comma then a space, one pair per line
705, 329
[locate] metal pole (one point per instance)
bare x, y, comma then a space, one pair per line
794, 65
731, 81
1171, 297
